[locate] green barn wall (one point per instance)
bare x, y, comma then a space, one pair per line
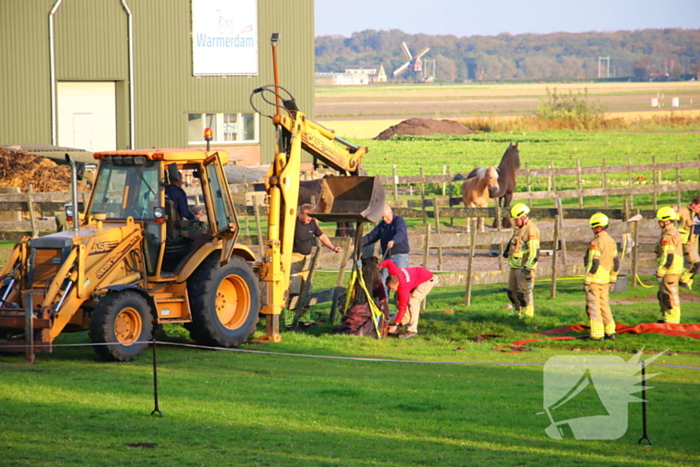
91, 44
24, 74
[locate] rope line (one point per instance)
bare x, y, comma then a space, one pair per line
361, 359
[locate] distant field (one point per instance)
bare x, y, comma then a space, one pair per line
370, 127
463, 100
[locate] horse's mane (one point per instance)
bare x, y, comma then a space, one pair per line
481, 172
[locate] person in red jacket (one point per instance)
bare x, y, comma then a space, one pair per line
411, 286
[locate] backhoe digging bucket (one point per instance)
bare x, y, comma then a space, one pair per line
350, 199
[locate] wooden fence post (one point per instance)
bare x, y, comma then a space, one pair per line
426, 246
555, 257
436, 214
499, 228
30, 203
560, 219
578, 182
470, 260
450, 190
396, 186
444, 185
605, 183
261, 245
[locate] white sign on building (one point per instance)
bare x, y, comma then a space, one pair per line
224, 37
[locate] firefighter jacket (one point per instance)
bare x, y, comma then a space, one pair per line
669, 252
601, 260
524, 247
686, 226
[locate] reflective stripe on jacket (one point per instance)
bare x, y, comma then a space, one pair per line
524, 247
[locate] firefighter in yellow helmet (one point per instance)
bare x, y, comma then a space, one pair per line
669, 265
522, 252
686, 227
602, 265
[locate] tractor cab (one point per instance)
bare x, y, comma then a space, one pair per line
179, 197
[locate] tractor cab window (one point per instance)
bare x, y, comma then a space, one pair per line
128, 188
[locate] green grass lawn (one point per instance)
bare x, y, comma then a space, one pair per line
537, 149
228, 408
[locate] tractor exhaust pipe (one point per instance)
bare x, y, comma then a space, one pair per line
74, 191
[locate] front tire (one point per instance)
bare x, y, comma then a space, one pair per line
224, 301
119, 320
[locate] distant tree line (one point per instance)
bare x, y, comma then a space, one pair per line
633, 54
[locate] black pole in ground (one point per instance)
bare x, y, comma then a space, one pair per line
645, 436
155, 382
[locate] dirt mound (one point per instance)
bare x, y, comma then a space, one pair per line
424, 127
20, 168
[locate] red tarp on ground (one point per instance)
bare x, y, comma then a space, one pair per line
691, 330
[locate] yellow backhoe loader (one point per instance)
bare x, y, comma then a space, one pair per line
131, 262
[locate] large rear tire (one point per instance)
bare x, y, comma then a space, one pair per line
224, 301
119, 320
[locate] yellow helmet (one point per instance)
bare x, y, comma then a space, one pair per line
519, 210
599, 220
666, 213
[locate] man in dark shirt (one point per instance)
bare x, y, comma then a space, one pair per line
393, 239
177, 195
306, 228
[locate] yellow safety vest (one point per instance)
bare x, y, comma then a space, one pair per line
669, 244
524, 247
604, 249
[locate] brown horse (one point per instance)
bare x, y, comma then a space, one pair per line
510, 163
477, 190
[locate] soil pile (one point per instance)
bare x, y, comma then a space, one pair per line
20, 168
424, 127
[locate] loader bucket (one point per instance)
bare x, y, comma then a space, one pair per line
350, 199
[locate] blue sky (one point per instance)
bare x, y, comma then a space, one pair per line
484, 17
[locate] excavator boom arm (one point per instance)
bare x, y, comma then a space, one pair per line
322, 143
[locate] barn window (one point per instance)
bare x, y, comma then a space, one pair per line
227, 128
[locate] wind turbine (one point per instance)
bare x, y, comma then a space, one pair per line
414, 64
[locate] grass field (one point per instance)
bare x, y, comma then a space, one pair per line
461, 100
